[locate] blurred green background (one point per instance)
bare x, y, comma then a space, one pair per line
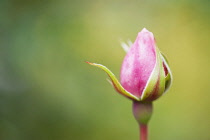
47, 92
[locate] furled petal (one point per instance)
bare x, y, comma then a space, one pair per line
139, 63
115, 82
168, 76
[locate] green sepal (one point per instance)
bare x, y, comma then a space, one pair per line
156, 83
168, 77
116, 84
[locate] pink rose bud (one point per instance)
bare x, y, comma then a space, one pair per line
145, 73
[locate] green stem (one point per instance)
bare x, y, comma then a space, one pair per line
143, 131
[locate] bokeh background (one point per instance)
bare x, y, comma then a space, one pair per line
47, 92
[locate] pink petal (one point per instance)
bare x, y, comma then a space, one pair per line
139, 63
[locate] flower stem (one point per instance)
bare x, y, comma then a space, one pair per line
142, 112
143, 131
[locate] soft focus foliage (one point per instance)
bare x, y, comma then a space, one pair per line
48, 92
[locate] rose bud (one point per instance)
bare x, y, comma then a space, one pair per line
145, 73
